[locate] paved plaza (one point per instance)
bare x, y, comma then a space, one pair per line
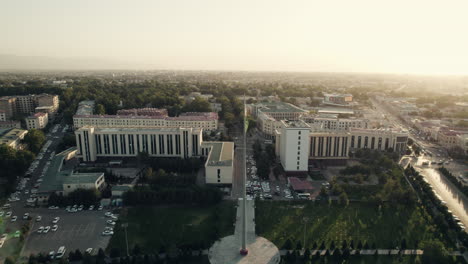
261, 251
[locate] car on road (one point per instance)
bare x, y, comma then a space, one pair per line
110, 222
113, 217
100, 208
6, 206
91, 208
89, 250
60, 252
40, 229
26, 216
54, 228
52, 254
8, 214
80, 208
13, 219
56, 219
53, 207
108, 214
107, 233
46, 229
38, 218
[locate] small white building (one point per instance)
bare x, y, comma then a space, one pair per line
37, 121
219, 163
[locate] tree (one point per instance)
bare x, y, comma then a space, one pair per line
343, 199
99, 109
34, 139
287, 244
9, 260
197, 105
434, 252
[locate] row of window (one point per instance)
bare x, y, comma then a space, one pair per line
153, 144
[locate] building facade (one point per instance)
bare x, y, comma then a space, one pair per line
27, 104
331, 147
95, 142
37, 121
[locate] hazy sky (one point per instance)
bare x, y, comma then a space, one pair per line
360, 35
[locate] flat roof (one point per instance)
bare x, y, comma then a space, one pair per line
134, 129
221, 153
298, 184
86, 177
278, 107
335, 110
11, 135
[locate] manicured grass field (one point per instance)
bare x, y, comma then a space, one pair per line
155, 227
385, 226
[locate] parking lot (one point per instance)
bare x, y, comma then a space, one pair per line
81, 230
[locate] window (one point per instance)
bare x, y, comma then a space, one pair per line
299, 132
298, 163
297, 167
298, 147
298, 153
298, 158
299, 138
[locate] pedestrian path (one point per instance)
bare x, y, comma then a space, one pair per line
261, 251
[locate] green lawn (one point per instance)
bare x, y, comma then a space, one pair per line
153, 227
385, 226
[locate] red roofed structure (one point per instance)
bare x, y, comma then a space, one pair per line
299, 185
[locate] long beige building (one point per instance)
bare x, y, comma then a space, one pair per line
301, 146
206, 121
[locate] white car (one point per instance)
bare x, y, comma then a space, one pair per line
108, 214
56, 219
54, 228
107, 233
13, 219
89, 250
46, 229
38, 218
8, 214
26, 216
52, 254
41, 228
91, 208
110, 222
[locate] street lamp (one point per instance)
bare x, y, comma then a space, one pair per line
125, 225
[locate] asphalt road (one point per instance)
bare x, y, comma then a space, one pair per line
456, 201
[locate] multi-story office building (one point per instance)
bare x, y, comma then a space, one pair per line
330, 147
206, 121
270, 114
27, 104
337, 99
93, 142
85, 108
143, 112
332, 122
37, 121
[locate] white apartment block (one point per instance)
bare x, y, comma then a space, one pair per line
205, 121
219, 163
37, 121
93, 142
294, 146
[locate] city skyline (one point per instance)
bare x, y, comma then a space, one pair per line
362, 36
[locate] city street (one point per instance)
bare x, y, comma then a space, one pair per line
456, 201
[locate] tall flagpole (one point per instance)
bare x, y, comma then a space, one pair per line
244, 250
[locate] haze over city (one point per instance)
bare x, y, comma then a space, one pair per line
422, 37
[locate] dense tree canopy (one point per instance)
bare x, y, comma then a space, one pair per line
34, 139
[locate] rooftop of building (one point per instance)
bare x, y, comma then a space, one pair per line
148, 111
12, 134
335, 110
300, 185
136, 129
85, 107
337, 95
221, 153
202, 116
36, 115
295, 124
55, 177
279, 107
